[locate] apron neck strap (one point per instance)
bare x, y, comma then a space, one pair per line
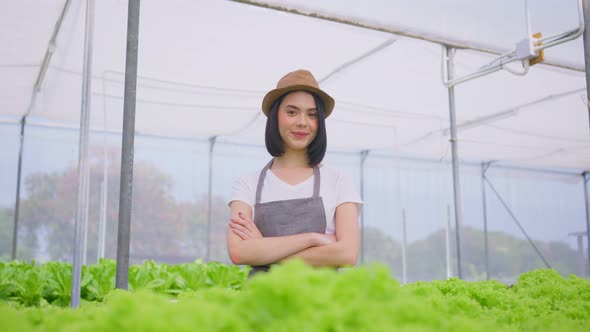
261, 181
316, 181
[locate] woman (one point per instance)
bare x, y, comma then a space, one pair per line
301, 208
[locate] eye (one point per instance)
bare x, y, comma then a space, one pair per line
290, 112
313, 115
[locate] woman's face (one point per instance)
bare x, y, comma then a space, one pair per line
298, 120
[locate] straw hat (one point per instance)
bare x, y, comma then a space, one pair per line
299, 80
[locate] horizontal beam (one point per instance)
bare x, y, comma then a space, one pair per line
400, 31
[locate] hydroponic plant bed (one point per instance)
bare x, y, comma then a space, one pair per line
292, 297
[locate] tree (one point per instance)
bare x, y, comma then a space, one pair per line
161, 227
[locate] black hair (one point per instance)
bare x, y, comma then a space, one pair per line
275, 144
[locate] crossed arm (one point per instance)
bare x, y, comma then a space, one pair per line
246, 245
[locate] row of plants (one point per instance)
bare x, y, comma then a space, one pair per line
30, 284
295, 297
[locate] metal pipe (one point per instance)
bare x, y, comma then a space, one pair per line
83, 187
209, 198
36, 88
448, 243
404, 249
587, 205
517, 223
400, 31
484, 168
126, 186
586, 11
455, 157
347, 64
86, 209
102, 225
509, 57
569, 35
50, 48
582, 259
18, 179
364, 155
102, 221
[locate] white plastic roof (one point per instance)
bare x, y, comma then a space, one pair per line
204, 67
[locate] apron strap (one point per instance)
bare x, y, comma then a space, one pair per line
316, 181
261, 181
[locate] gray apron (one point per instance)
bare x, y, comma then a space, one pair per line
288, 217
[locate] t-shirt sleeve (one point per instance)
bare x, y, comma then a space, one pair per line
347, 191
242, 190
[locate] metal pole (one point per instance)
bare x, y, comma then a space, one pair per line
85, 219
102, 225
456, 188
323, 14
37, 87
18, 179
518, 223
404, 247
82, 206
484, 168
209, 198
587, 204
126, 187
448, 242
586, 38
582, 259
364, 155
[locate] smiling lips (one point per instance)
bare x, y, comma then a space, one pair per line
299, 134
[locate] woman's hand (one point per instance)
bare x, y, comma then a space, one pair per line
244, 227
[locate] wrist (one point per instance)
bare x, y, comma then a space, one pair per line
312, 239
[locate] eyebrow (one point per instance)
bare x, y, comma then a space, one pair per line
297, 108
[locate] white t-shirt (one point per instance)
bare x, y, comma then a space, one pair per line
335, 188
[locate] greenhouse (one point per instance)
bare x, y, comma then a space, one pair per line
464, 125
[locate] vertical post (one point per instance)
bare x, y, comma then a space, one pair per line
126, 189
484, 168
582, 259
404, 249
586, 37
86, 212
38, 83
456, 187
448, 243
209, 198
102, 225
18, 179
364, 155
82, 206
587, 204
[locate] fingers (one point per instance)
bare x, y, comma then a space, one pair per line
243, 216
239, 233
237, 226
240, 222
247, 228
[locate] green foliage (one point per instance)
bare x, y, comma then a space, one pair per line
295, 297
51, 283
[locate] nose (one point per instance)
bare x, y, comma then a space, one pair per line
302, 120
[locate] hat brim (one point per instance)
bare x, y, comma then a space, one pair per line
275, 94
